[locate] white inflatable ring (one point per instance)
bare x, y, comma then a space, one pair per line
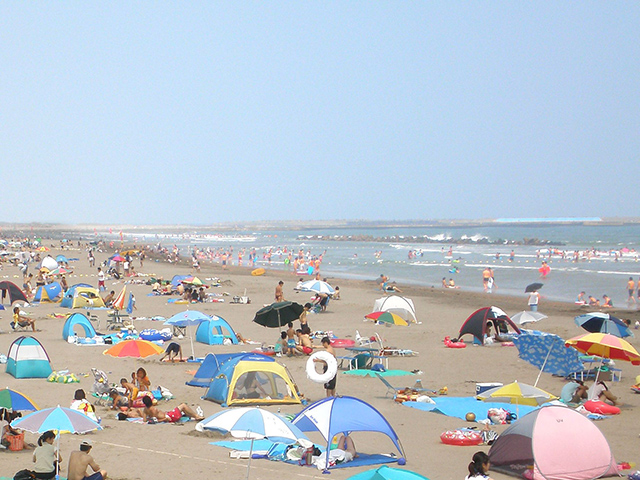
332, 367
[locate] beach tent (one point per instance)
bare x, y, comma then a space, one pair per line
228, 384
15, 294
332, 416
397, 304
177, 280
49, 263
215, 331
68, 330
477, 322
209, 369
27, 358
81, 296
558, 442
48, 293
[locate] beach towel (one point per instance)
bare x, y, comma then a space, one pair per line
459, 407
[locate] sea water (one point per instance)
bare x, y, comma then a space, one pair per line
601, 273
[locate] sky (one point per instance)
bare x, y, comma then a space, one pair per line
206, 112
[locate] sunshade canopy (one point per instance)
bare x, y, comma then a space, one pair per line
517, 393
605, 345
134, 348
278, 314
600, 322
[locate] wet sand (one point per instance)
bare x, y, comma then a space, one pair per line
134, 451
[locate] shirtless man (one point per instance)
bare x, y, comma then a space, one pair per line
172, 416
303, 316
305, 346
330, 386
291, 340
79, 461
279, 293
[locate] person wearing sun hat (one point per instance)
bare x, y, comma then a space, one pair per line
80, 461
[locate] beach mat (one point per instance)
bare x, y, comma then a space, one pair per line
459, 407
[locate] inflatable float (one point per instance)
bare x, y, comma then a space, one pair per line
600, 407
461, 437
449, 344
332, 367
342, 343
153, 335
258, 271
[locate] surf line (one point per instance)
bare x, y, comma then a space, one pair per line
210, 460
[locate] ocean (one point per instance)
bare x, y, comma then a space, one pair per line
608, 255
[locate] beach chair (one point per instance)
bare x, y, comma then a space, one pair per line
394, 390
115, 320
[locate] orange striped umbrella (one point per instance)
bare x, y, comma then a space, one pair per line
134, 348
605, 345
118, 302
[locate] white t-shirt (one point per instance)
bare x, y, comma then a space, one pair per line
595, 391
533, 298
101, 276
45, 456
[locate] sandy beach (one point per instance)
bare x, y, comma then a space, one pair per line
135, 451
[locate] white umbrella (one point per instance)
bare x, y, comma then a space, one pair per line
317, 286
526, 316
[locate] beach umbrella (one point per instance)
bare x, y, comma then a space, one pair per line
252, 423
60, 271
62, 259
527, 316
386, 472
603, 323
186, 319
117, 258
278, 314
13, 400
534, 287
517, 393
605, 345
387, 317
194, 281
58, 419
317, 286
547, 352
134, 348
118, 302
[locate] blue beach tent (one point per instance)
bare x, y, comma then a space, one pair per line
27, 358
333, 416
78, 319
214, 331
48, 293
209, 369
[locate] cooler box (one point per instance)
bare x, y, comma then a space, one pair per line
483, 387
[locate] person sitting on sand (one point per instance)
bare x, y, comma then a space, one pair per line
108, 300
304, 341
81, 404
172, 351
581, 299
593, 301
479, 467
172, 416
336, 294
80, 461
600, 392
131, 391
574, 392
141, 380
20, 320
45, 457
281, 346
392, 287
607, 301
118, 401
253, 387
8, 430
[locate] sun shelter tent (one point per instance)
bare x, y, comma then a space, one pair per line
48, 293
228, 386
332, 416
14, 292
77, 320
27, 358
477, 322
215, 331
82, 296
557, 442
397, 304
209, 369
49, 263
177, 280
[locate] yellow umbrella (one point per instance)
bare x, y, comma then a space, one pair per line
605, 345
518, 393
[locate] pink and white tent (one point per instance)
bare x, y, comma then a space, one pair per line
558, 443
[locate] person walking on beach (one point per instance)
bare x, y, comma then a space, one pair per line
631, 287
486, 275
101, 277
279, 295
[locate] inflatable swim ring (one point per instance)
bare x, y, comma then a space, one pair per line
266, 351
342, 343
332, 367
600, 407
461, 438
449, 344
258, 271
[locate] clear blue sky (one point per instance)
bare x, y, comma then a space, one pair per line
204, 112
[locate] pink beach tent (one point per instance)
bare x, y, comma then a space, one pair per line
553, 443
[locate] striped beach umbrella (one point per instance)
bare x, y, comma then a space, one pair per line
134, 348
387, 317
605, 345
317, 286
13, 400
518, 393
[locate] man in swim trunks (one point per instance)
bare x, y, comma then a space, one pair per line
279, 295
305, 346
173, 350
79, 461
291, 340
172, 416
330, 386
631, 286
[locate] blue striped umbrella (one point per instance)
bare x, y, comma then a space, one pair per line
60, 419
599, 322
14, 400
317, 286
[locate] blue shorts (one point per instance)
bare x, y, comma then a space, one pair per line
291, 343
95, 476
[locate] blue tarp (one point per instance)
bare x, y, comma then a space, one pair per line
459, 407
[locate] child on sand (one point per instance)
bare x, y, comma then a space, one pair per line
149, 412
479, 467
141, 380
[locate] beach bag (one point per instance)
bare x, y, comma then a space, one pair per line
500, 416
24, 475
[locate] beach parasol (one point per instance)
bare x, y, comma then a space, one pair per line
60, 271
186, 319
134, 348
605, 345
386, 472
534, 287
603, 323
547, 352
13, 400
118, 302
517, 393
278, 314
117, 258
387, 317
58, 419
527, 316
317, 286
194, 281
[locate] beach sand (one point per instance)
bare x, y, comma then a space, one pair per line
166, 451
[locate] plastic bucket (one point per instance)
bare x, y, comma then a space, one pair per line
16, 442
483, 387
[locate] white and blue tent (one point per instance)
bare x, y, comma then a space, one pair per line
48, 293
78, 319
214, 331
27, 358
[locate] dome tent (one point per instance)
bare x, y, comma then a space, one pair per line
27, 358
215, 331
81, 320
476, 323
